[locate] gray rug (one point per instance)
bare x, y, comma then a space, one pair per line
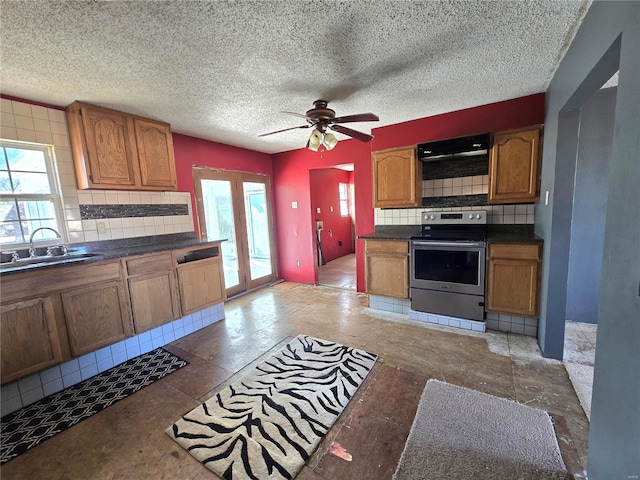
267, 424
461, 433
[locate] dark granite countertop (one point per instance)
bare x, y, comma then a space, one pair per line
392, 232
125, 247
512, 234
495, 233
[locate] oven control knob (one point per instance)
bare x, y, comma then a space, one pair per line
432, 217
470, 216
478, 216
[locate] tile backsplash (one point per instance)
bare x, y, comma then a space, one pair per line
33, 123
442, 194
447, 187
496, 214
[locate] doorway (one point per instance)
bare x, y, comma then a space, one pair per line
237, 206
333, 213
594, 137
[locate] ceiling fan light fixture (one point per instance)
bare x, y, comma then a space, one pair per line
330, 141
314, 140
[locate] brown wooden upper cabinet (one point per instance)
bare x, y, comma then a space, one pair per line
514, 166
397, 178
115, 150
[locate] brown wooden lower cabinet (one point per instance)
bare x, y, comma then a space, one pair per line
29, 338
386, 268
48, 316
201, 284
152, 290
96, 316
153, 300
513, 278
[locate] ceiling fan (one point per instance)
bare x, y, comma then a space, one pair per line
321, 118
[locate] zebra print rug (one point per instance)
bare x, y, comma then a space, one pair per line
267, 424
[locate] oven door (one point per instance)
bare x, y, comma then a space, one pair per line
456, 267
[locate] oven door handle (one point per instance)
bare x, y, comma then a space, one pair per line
448, 244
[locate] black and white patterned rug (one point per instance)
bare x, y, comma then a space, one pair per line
267, 424
35, 423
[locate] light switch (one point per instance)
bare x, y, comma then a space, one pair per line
546, 198
318, 210
101, 227
331, 208
294, 204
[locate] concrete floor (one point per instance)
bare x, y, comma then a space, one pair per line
579, 358
128, 441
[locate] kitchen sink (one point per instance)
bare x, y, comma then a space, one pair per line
20, 257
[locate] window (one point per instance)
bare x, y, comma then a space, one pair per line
28, 193
343, 191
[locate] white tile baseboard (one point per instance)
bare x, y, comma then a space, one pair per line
448, 321
403, 306
35, 387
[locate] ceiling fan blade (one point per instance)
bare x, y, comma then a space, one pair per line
284, 130
361, 117
363, 137
301, 115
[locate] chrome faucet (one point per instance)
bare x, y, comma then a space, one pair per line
32, 249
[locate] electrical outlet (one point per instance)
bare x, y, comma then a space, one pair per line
102, 227
339, 243
298, 262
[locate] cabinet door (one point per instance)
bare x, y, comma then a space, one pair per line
110, 147
387, 268
512, 286
201, 284
397, 178
514, 167
29, 338
96, 316
153, 300
155, 154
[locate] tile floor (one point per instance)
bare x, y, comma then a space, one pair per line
340, 272
128, 441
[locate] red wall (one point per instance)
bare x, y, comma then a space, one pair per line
515, 113
291, 174
190, 151
324, 195
295, 226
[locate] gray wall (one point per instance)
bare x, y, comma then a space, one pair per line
607, 39
589, 206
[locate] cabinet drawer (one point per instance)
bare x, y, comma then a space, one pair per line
149, 264
516, 251
387, 246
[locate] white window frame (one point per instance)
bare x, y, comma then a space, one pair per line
55, 196
343, 202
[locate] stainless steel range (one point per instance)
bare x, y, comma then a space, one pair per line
448, 264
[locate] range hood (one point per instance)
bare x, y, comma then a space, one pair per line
473, 145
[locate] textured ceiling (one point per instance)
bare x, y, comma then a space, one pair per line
224, 71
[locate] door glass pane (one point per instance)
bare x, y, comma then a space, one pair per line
255, 204
218, 212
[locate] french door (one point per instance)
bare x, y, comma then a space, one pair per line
237, 206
